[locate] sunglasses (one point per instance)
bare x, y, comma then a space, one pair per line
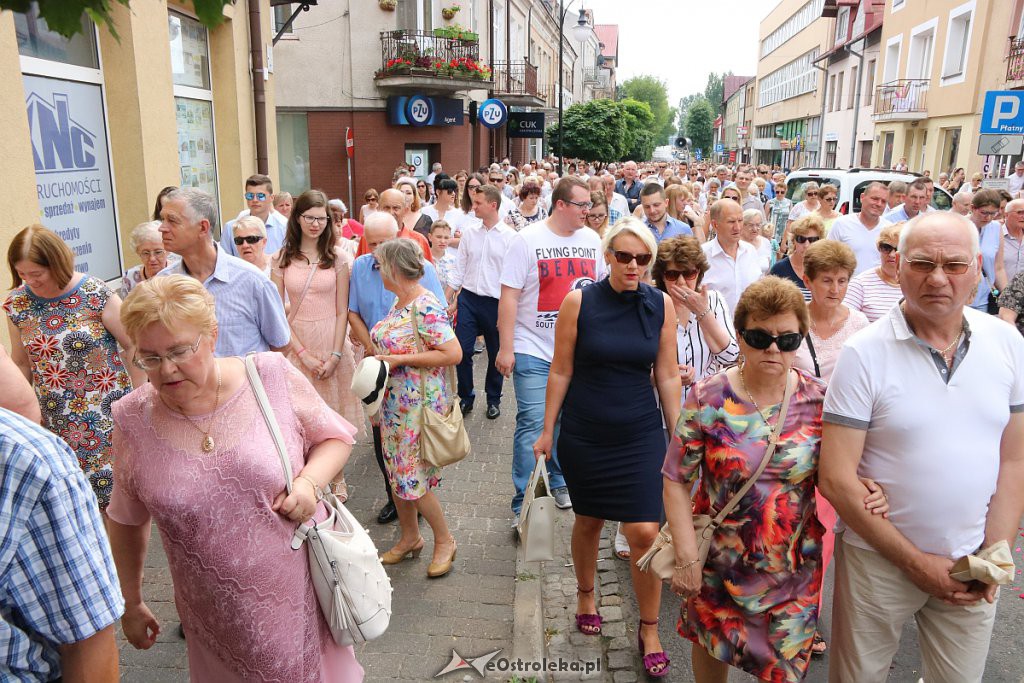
497, 180
761, 340
805, 239
949, 267
625, 258
249, 196
812, 194
886, 248
673, 275
248, 239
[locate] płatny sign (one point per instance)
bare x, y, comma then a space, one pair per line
70, 152
1003, 113
526, 124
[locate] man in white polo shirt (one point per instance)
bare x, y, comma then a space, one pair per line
733, 263
929, 402
544, 262
860, 230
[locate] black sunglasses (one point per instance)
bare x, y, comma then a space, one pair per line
761, 340
673, 275
248, 239
886, 248
805, 239
624, 257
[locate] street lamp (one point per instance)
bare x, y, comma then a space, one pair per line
581, 31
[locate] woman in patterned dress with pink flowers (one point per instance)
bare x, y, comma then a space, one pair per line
417, 313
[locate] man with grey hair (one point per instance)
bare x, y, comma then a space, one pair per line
630, 186
434, 170
1015, 181
249, 311
369, 303
962, 202
1013, 237
953, 485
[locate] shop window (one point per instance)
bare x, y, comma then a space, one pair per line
293, 151
193, 102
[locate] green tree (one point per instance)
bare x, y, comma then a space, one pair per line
65, 16
714, 90
654, 92
639, 140
684, 106
595, 131
699, 126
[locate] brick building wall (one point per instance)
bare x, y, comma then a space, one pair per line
380, 148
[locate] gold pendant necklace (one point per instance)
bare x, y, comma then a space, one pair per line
207, 445
771, 431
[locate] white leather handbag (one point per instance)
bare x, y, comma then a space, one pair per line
537, 516
351, 585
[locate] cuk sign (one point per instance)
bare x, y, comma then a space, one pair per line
526, 124
69, 149
1003, 113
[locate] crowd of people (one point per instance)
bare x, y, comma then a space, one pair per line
670, 330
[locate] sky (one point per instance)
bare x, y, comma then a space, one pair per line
682, 41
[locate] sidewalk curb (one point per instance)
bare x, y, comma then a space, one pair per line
528, 643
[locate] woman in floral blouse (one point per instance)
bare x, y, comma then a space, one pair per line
65, 329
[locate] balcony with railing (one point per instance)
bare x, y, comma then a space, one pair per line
515, 83
903, 100
1015, 60
442, 61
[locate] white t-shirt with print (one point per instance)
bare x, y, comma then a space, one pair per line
546, 267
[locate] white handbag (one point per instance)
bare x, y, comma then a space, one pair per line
537, 517
351, 585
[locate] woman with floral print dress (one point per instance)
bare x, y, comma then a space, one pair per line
417, 321
64, 328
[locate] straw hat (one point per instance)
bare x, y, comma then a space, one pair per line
368, 383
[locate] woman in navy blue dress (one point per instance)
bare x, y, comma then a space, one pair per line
609, 338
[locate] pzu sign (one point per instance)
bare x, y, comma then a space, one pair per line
1003, 113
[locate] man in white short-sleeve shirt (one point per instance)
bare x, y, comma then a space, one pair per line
860, 230
544, 262
733, 263
929, 402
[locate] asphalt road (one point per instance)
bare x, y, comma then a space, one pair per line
1005, 657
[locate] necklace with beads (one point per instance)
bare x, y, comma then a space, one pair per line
207, 444
772, 438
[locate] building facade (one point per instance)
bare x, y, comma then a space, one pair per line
735, 122
937, 60
852, 63
788, 114
97, 125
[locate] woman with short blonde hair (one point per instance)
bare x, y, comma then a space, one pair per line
195, 455
875, 291
802, 233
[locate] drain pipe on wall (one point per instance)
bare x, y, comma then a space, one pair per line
259, 93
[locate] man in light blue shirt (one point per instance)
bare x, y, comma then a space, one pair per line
259, 197
369, 303
915, 201
250, 315
664, 227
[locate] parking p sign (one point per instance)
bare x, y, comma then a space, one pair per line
1003, 113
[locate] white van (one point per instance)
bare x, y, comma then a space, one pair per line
851, 183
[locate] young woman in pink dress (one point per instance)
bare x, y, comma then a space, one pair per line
312, 275
194, 454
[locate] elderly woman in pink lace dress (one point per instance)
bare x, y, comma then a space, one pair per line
193, 454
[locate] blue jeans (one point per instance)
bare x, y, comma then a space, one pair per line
530, 379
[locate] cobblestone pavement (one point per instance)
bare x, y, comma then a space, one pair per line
493, 600
470, 610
